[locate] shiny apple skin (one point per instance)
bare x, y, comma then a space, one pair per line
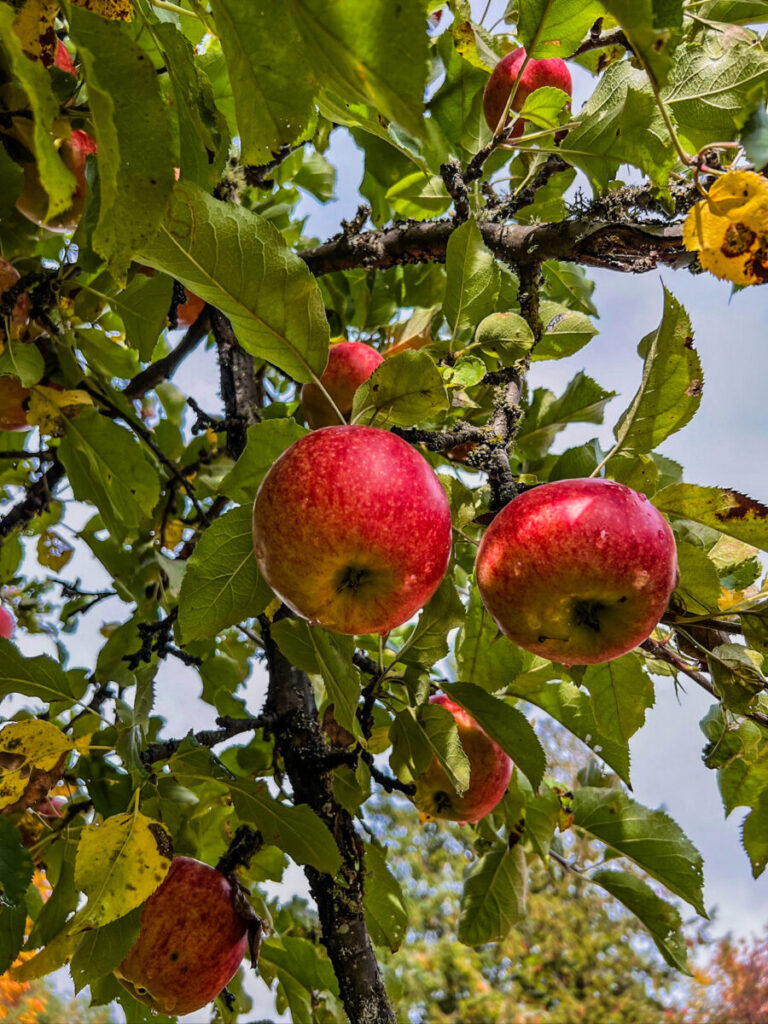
33, 201
350, 364
190, 944
550, 71
7, 624
490, 770
12, 398
578, 571
352, 529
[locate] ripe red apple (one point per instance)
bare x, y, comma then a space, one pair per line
579, 571
12, 398
352, 529
63, 59
33, 201
490, 770
191, 941
7, 622
350, 363
51, 806
537, 73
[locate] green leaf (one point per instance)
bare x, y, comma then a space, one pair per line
671, 386
265, 442
135, 154
754, 835
621, 691
565, 331
11, 181
296, 830
572, 707
16, 865
712, 90
569, 285
222, 584
650, 838
653, 28
12, 924
583, 401
734, 11
719, 508
428, 641
419, 734
620, 123
57, 908
40, 677
403, 390
661, 918
699, 586
263, 48
505, 725
556, 28
465, 372
341, 678
107, 466
737, 675
57, 181
419, 195
23, 361
386, 909
483, 655
506, 336
472, 278
544, 106
103, 949
144, 307
754, 137
239, 262
379, 59
494, 896
542, 815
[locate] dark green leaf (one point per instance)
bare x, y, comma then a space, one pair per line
494, 896
483, 655
428, 642
405, 389
386, 909
16, 865
103, 949
472, 278
144, 307
12, 924
418, 735
754, 835
653, 30
266, 441
621, 692
222, 584
556, 28
40, 677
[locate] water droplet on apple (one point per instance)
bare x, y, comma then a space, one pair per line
600, 539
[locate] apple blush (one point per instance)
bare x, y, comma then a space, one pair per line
7, 624
350, 364
490, 770
551, 71
352, 529
190, 944
578, 571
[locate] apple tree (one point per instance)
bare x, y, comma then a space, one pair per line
155, 165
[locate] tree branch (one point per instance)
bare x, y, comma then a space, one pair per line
37, 499
164, 368
229, 727
628, 247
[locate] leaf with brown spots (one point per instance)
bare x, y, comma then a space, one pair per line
719, 507
34, 27
112, 10
729, 229
32, 759
119, 864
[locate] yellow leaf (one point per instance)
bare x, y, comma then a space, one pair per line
49, 408
118, 865
729, 229
113, 10
32, 759
173, 533
34, 27
53, 551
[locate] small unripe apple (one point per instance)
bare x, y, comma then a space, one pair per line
352, 529
12, 397
191, 942
7, 623
33, 201
578, 571
350, 364
552, 71
490, 770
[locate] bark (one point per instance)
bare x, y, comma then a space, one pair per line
632, 248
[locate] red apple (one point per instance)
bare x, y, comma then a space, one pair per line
7, 621
537, 73
12, 398
191, 941
63, 59
490, 770
352, 529
578, 571
51, 806
190, 310
33, 201
350, 363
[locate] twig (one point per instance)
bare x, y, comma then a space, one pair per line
164, 368
229, 727
598, 41
387, 782
155, 637
456, 186
257, 174
20, 453
37, 499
